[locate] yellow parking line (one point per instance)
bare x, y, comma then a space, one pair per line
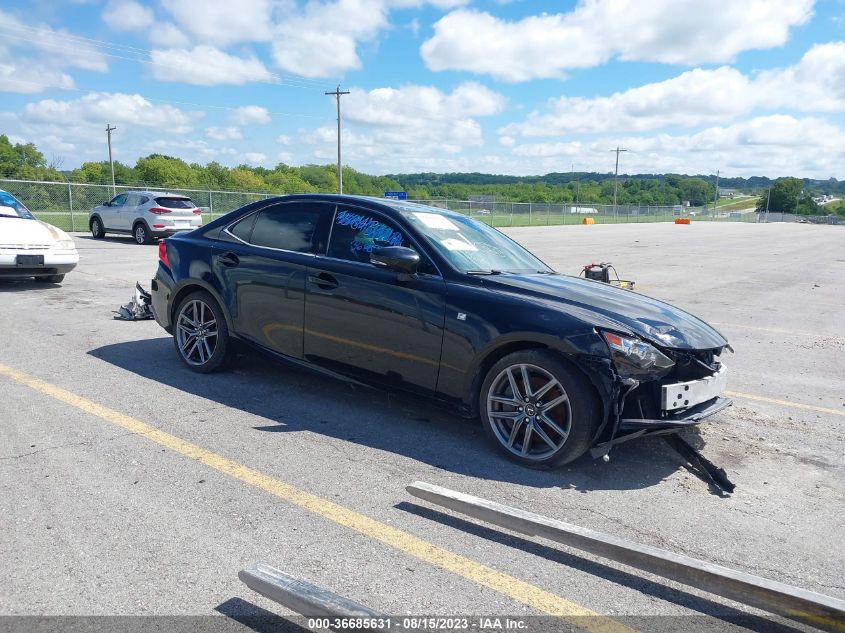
786, 403
519, 590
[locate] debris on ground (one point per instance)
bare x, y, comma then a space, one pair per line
138, 309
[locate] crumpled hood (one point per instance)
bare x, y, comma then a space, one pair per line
649, 318
23, 231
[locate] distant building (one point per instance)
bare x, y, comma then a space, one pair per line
727, 193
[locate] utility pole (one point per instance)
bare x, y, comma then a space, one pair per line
716, 195
768, 197
616, 176
337, 94
109, 130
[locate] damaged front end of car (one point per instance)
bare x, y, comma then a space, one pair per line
658, 390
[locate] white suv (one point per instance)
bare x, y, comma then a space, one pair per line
146, 215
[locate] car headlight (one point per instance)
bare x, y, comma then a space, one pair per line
65, 245
634, 358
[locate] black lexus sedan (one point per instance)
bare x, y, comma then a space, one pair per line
416, 298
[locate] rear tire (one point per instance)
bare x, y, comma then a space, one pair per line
141, 234
51, 279
98, 232
200, 333
550, 423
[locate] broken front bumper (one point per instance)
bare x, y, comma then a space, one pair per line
687, 417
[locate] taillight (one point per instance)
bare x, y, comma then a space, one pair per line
197, 211
159, 210
162, 253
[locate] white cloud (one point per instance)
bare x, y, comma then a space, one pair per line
251, 115
224, 23
284, 139
321, 39
223, 133
206, 66
387, 126
254, 158
97, 108
168, 35
773, 145
595, 31
47, 52
127, 15
28, 76
698, 97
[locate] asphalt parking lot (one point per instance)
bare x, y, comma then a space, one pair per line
102, 513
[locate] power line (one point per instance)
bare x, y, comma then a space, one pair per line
337, 94
159, 101
143, 56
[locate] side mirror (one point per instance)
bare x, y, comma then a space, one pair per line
107, 203
399, 259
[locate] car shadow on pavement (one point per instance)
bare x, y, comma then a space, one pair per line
293, 399
114, 239
655, 589
25, 285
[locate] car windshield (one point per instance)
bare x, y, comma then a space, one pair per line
11, 208
471, 246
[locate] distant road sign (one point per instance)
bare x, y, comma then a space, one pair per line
396, 195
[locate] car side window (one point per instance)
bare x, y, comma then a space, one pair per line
242, 229
356, 232
131, 200
289, 227
143, 200
118, 201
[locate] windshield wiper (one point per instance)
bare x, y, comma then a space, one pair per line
546, 272
483, 272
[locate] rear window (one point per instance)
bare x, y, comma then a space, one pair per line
175, 203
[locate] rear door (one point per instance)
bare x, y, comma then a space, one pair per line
129, 211
363, 320
260, 264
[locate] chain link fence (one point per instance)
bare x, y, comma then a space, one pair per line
66, 205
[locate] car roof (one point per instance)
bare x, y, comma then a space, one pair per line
155, 194
392, 203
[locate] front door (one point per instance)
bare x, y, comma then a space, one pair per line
367, 321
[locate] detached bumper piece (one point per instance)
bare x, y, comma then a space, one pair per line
138, 309
687, 417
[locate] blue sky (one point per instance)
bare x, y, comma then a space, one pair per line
748, 87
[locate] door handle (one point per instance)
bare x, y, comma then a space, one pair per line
324, 281
228, 259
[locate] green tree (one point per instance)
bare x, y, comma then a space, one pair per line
782, 196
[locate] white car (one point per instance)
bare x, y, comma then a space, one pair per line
31, 248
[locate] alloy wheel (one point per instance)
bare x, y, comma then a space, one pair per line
529, 411
196, 332
140, 234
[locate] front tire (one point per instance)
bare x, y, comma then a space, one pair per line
200, 333
538, 409
141, 234
98, 232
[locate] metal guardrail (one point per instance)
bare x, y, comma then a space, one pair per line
302, 597
801, 605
